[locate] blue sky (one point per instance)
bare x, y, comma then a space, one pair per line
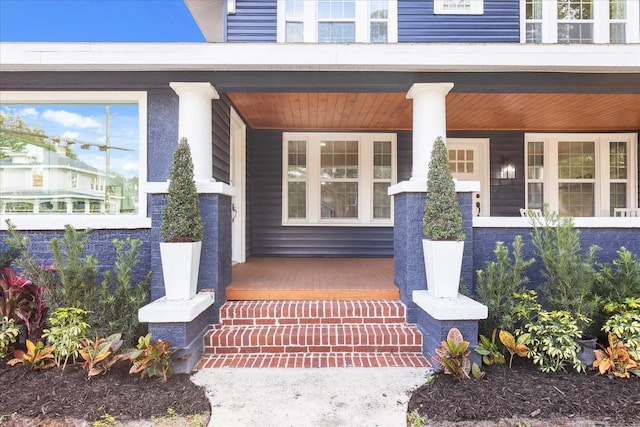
97, 21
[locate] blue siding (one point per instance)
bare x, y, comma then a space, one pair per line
500, 23
255, 21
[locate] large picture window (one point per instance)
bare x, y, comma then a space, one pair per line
72, 153
581, 175
338, 178
337, 21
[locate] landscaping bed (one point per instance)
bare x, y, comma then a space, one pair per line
56, 395
529, 397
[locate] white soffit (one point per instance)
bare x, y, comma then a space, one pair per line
325, 57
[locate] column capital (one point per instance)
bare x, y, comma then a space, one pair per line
202, 88
418, 89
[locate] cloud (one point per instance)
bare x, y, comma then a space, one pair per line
68, 119
130, 166
70, 135
29, 112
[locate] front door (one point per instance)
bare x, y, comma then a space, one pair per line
469, 161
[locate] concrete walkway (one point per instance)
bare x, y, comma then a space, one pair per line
324, 397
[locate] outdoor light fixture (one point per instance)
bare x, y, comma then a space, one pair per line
508, 169
231, 7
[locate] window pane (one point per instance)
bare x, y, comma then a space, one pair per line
382, 160
535, 160
575, 9
534, 9
297, 160
381, 201
576, 160
535, 195
617, 9
534, 32
618, 32
297, 200
336, 9
378, 32
618, 196
294, 10
336, 32
379, 9
618, 160
57, 156
294, 32
576, 199
339, 200
339, 159
575, 33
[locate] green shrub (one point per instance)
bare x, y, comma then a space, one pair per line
620, 278
624, 324
498, 282
68, 331
8, 335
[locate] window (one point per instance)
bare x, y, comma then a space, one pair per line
581, 174
458, 7
337, 21
580, 21
338, 178
73, 153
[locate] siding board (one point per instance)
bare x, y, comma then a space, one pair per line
255, 21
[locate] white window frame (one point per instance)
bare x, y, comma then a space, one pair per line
77, 220
602, 179
313, 182
362, 19
601, 21
451, 7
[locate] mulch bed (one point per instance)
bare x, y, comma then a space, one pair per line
55, 393
524, 392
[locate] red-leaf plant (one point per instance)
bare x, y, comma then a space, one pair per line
23, 301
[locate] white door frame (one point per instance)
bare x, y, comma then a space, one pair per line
484, 163
237, 176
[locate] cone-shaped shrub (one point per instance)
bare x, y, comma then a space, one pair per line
181, 220
442, 219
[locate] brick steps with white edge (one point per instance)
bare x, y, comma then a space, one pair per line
313, 334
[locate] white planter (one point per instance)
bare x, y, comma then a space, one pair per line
180, 266
443, 264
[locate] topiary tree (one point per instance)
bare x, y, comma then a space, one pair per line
181, 220
442, 218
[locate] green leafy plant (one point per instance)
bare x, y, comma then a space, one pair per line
615, 360
514, 346
120, 300
549, 335
624, 323
415, 420
37, 357
489, 351
442, 218
453, 355
569, 274
497, 283
152, 359
105, 420
181, 221
619, 279
8, 335
68, 331
100, 355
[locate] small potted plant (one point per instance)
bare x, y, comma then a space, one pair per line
181, 229
443, 243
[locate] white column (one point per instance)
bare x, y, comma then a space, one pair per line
429, 122
194, 123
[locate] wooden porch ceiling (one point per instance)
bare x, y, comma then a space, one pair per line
465, 111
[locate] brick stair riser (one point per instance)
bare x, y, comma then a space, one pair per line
311, 312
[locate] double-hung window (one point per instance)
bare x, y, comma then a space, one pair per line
337, 21
580, 21
338, 178
458, 7
581, 175
78, 157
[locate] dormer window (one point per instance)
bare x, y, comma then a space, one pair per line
458, 7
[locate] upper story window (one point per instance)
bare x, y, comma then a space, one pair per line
338, 178
581, 174
79, 155
337, 21
580, 21
458, 7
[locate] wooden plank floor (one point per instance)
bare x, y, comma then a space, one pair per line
313, 279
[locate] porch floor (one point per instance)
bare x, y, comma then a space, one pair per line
313, 279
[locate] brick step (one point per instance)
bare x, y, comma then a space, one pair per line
314, 360
313, 338
237, 313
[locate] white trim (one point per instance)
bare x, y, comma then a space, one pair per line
578, 222
417, 186
313, 182
176, 311
473, 57
476, 7
238, 131
51, 222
